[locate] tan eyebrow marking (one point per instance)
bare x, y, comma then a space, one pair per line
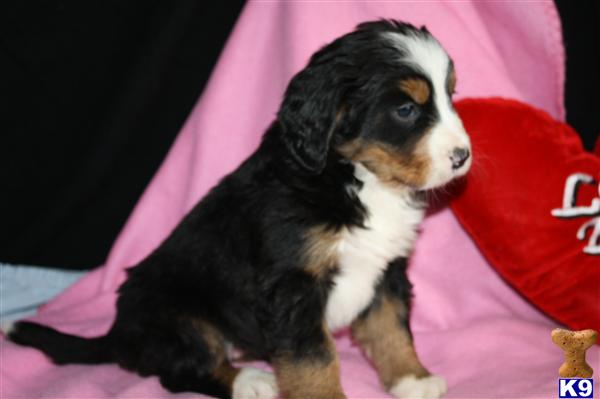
417, 89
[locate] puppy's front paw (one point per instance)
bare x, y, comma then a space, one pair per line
411, 387
253, 383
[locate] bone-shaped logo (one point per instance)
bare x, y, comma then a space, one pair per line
570, 210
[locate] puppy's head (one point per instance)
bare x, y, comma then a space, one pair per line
381, 96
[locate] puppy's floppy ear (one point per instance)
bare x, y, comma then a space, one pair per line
308, 113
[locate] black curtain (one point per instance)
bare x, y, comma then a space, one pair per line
581, 32
93, 94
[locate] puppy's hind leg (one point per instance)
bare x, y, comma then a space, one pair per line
191, 359
251, 383
224, 381
206, 369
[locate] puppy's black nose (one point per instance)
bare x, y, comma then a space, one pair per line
459, 157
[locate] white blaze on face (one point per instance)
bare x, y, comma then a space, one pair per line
427, 55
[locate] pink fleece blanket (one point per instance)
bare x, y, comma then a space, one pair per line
469, 325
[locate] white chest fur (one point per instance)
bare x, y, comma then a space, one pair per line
364, 253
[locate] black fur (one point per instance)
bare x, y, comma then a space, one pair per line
394, 284
234, 259
63, 348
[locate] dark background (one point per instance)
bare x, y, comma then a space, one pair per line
92, 94
581, 33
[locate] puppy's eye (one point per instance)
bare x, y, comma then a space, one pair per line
407, 111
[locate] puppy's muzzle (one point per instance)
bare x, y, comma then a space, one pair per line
459, 156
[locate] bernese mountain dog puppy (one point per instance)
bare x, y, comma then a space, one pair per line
309, 235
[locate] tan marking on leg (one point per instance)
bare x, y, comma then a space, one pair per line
309, 378
320, 250
212, 338
387, 343
389, 164
223, 371
417, 89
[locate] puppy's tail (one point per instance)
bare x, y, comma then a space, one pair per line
60, 347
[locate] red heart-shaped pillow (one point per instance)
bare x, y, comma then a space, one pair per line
523, 162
